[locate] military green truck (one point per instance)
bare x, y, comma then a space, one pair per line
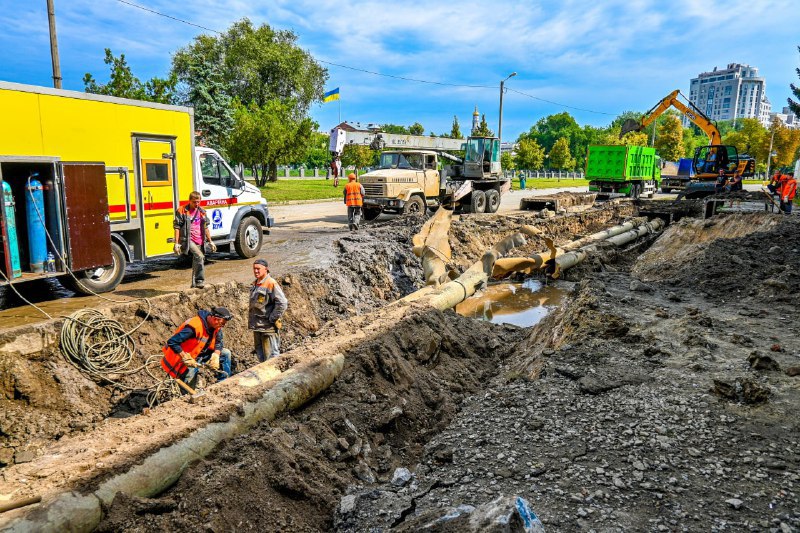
620, 171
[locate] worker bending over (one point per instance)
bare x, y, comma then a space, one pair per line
354, 198
267, 305
196, 342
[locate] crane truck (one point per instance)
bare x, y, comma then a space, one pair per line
417, 172
708, 160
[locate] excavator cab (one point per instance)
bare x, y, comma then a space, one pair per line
708, 160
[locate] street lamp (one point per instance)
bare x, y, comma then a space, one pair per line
500, 121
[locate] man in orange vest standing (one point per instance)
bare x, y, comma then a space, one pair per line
267, 305
196, 342
354, 198
787, 188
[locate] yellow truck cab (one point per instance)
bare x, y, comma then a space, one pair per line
92, 183
404, 182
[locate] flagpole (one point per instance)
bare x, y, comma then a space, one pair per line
340, 109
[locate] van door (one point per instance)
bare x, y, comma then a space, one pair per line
86, 212
155, 174
219, 192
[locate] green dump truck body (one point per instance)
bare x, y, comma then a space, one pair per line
623, 170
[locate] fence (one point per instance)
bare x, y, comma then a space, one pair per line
546, 174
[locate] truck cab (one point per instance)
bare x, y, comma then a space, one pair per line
405, 181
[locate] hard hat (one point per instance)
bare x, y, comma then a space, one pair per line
351, 176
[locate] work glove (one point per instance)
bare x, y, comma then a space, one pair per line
785, 199
214, 361
212, 246
189, 361
278, 324
177, 249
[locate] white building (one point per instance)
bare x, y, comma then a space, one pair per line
735, 92
787, 118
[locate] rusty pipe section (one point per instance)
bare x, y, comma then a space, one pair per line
432, 245
571, 259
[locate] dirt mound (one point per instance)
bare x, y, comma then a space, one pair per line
393, 395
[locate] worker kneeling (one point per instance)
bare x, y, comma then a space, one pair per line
198, 342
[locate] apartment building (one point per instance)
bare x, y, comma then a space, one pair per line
731, 93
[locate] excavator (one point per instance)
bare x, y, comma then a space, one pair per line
708, 160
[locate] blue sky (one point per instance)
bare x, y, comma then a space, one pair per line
603, 56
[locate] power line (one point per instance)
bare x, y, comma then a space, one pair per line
372, 72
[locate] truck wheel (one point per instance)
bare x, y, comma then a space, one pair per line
478, 202
666, 191
248, 238
414, 206
492, 201
635, 191
371, 214
97, 280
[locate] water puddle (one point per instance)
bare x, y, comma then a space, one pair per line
521, 304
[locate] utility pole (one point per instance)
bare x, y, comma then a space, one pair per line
51, 17
769, 154
500, 121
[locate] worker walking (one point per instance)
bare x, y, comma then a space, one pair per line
196, 342
354, 199
191, 236
267, 306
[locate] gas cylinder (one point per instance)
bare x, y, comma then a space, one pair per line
37, 239
11, 230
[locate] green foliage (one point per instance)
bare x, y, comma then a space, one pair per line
560, 157
359, 156
610, 137
317, 154
794, 105
124, 84
213, 107
265, 136
455, 131
669, 140
416, 129
693, 138
395, 128
550, 129
750, 133
507, 161
530, 156
483, 129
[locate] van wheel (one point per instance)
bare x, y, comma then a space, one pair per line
371, 213
248, 238
97, 280
478, 202
492, 201
414, 206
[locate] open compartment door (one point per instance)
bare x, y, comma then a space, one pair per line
86, 214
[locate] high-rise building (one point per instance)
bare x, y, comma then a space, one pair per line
735, 92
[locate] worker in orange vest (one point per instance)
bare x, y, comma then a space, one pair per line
196, 342
354, 199
787, 188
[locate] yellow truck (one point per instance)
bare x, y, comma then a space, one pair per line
98, 180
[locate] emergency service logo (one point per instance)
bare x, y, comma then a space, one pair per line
216, 219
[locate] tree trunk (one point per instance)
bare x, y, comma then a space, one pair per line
273, 171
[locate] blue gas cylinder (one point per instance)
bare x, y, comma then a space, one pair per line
11, 230
37, 238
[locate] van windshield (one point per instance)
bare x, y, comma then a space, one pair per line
402, 160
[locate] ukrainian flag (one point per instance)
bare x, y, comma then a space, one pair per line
330, 96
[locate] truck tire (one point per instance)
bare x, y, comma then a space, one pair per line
414, 206
248, 238
492, 201
371, 213
98, 280
666, 190
478, 202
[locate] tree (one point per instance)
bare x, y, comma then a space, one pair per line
262, 69
507, 161
483, 129
669, 140
124, 84
455, 132
530, 155
610, 137
395, 128
264, 136
416, 129
560, 157
552, 128
751, 137
317, 154
359, 156
213, 107
785, 143
794, 105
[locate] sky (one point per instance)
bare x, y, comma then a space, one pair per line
594, 59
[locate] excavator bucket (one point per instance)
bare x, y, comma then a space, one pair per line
628, 126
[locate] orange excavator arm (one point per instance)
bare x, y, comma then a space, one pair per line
691, 111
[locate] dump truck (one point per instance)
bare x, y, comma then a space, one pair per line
618, 171
416, 173
681, 179
91, 183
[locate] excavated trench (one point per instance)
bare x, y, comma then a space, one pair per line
392, 406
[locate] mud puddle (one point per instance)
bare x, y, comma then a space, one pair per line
520, 304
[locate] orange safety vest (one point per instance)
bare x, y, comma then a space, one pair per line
788, 187
172, 363
352, 193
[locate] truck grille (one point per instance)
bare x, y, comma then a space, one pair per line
375, 189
